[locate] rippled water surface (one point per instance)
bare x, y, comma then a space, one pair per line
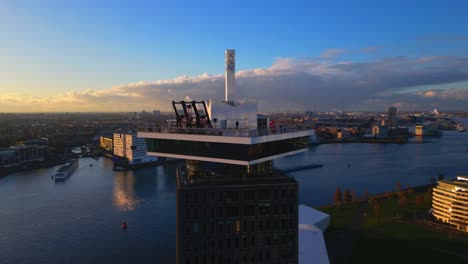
79, 221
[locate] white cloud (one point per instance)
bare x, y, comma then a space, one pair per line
287, 85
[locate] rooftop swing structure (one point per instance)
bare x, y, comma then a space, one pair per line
191, 114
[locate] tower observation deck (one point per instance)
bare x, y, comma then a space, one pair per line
232, 205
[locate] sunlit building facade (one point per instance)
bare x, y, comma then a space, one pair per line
450, 203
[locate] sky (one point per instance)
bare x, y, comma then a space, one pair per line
58, 56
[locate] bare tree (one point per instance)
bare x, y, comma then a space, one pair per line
419, 200
398, 186
354, 197
409, 190
389, 195
376, 206
440, 177
338, 197
347, 196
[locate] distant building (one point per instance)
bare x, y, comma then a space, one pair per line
375, 130
129, 146
21, 154
156, 113
399, 133
392, 117
119, 145
106, 143
383, 131
450, 203
418, 130
8, 158
339, 135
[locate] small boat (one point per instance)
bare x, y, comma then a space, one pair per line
461, 127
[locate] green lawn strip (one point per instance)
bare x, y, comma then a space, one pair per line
342, 216
415, 243
368, 248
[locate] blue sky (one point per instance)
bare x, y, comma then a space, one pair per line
57, 47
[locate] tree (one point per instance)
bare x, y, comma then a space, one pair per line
347, 196
376, 206
338, 197
365, 194
433, 181
403, 201
389, 195
440, 177
398, 186
354, 197
419, 200
409, 190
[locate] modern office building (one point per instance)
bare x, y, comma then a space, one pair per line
22, 154
106, 143
392, 117
130, 146
232, 205
450, 202
419, 130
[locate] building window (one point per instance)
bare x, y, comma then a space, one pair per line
249, 195
248, 210
196, 227
238, 226
264, 195
232, 211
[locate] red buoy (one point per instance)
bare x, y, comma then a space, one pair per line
124, 225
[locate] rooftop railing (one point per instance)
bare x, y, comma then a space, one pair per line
229, 132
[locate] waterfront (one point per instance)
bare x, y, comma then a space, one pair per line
78, 221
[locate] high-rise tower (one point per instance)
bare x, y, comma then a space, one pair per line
233, 206
230, 74
392, 117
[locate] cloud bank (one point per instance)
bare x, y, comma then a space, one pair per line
287, 85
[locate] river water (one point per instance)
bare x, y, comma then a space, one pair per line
79, 221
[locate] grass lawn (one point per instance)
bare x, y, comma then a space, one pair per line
397, 242
342, 216
383, 238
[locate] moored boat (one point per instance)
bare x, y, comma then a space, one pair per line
64, 172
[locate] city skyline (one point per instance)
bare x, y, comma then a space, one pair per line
83, 57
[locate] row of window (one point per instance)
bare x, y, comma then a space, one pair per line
283, 256
230, 244
236, 227
260, 210
235, 196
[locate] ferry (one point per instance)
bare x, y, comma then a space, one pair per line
461, 127
65, 171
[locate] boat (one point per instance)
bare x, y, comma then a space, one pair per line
461, 127
64, 172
